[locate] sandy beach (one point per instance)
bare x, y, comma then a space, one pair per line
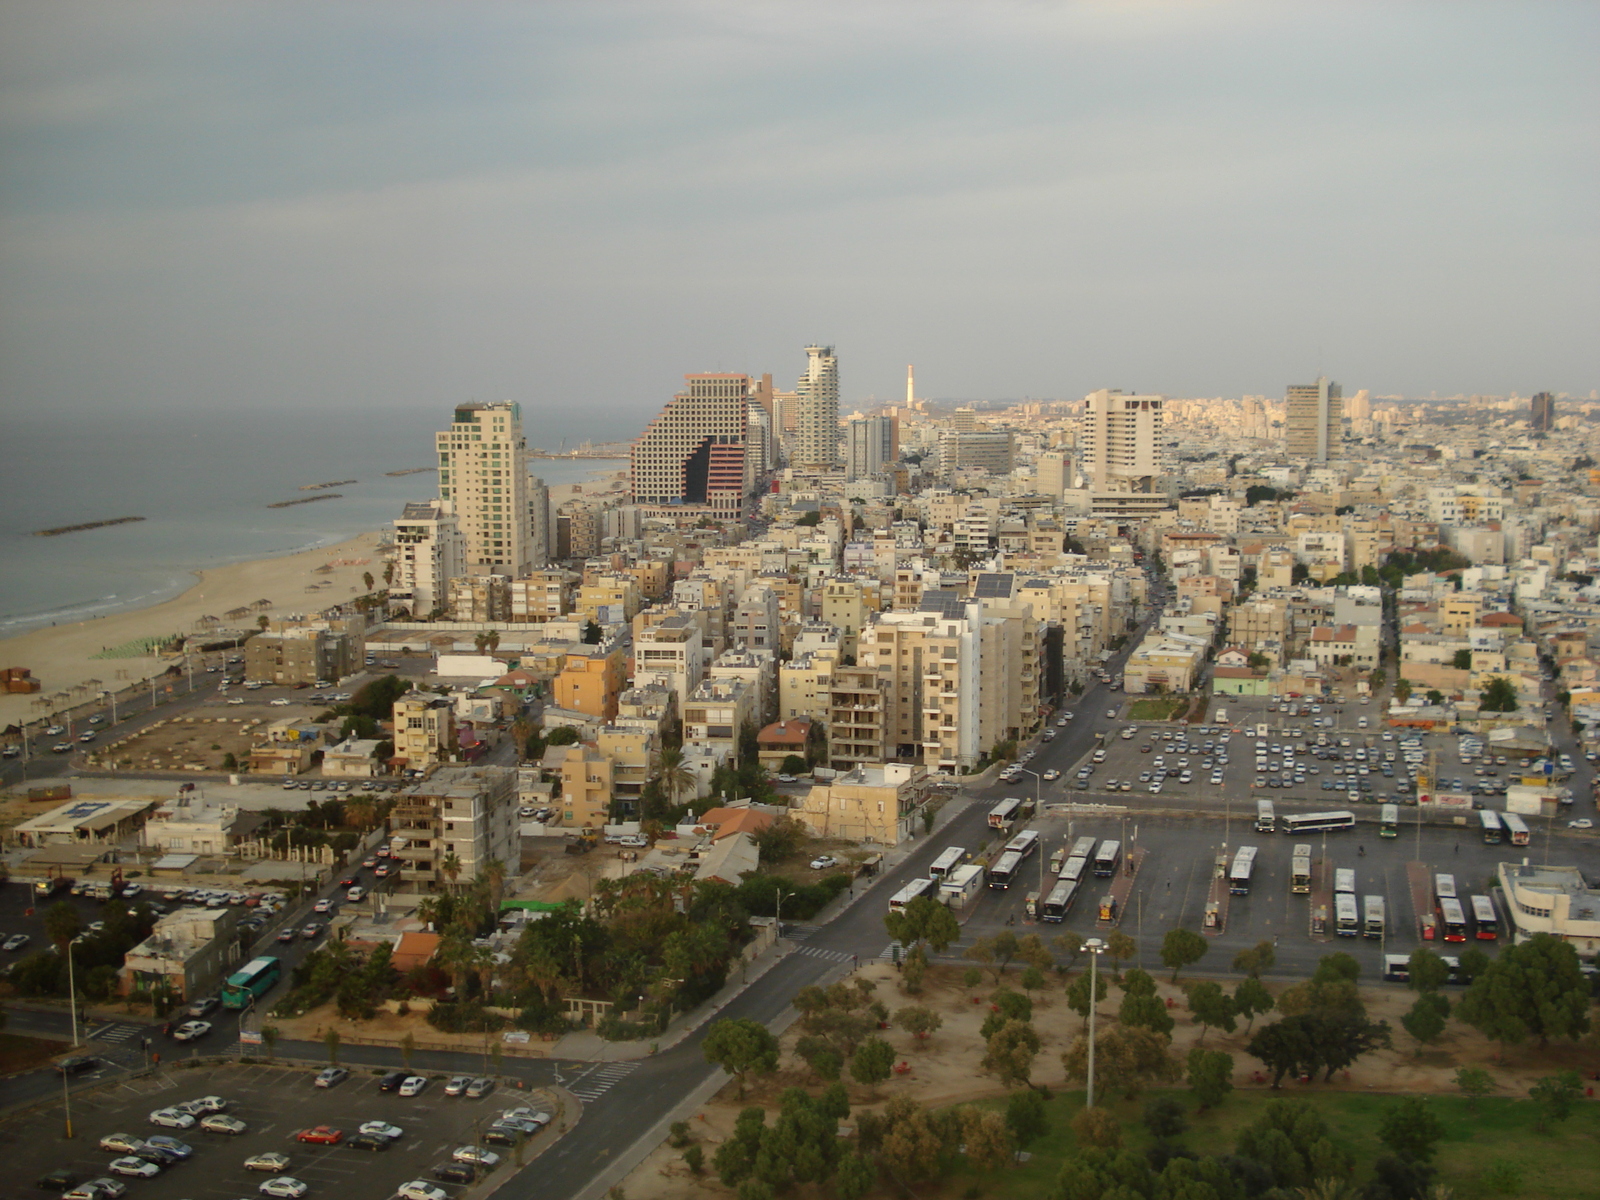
62, 658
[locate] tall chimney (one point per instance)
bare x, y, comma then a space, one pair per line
911, 390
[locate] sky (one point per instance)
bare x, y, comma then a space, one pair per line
292, 205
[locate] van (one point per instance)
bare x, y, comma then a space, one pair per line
356, 895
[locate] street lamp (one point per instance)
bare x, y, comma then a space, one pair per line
1095, 947
1037, 799
72, 988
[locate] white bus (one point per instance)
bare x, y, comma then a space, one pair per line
1346, 920
1444, 887
1082, 848
1059, 901
1244, 864
1453, 918
1389, 820
917, 887
1074, 869
1106, 860
1485, 918
1493, 831
1266, 819
1025, 843
1344, 881
1300, 869
1005, 870
1516, 828
1319, 822
1372, 924
949, 859
1004, 814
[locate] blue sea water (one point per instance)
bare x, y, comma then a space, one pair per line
203, 480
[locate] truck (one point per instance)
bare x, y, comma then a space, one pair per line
51, 884
583, 841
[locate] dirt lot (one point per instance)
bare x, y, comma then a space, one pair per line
197, 743
947, 1068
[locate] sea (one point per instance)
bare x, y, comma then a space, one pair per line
202, 481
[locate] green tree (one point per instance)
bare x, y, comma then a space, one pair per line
1097, 1127
1534, 989
1410, 1128
62, 923
1461, 660
1475, 1083
1126, 1060
1070, 946
855, 1177
1032, 979
1010, 1051
1212, 1007
1499, 695
1556, 1097
331, 1041
1145, 1010
1427, 971
1026, 1117
1164, 1117
1182, 948
986, 1139
269, 1039
919, 1021
1119, 949
741, 1047
1210, 1076
1402, 690
924, 920
1425, 1020
1255, 960
995, 951
1078, 994
872, 1062
819, 1055
1251, 1000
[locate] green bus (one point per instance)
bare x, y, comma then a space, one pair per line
248, 984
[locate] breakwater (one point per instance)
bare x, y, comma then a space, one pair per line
306, 500
60, 529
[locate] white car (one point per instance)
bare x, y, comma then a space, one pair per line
823, 862
413, 1085
1051, 774
457, 1085
102, 1187
416, 1189
171, 1118
1581, 823
191, 1030
121, 1143
270, 1160
475, 1155
219, 1123
382, 1129
235, 699
286, 1185
202, 1106
136, 1167
279, 702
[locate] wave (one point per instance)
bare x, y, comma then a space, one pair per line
82, 609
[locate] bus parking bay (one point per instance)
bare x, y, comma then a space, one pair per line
275, 1102
1175, 882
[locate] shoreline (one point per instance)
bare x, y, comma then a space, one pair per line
61, 656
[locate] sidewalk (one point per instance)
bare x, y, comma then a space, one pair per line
586, 1045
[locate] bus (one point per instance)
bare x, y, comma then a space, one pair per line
1444, 887
1492, 829
1322, 822
949, 859
1300, 869
1483, 916
1058, 902
1105, 862
1344, 881
250, 982
1389, 820
1004, 814
1346, 921
1074, 869
1266, 819
1005, 870
1372, 917
1516, 828
1244, 863
1025, 843
1082, 848
917, 887
1453, 920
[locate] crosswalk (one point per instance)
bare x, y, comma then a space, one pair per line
599, 1081
120, 1032
825, 955
799, 933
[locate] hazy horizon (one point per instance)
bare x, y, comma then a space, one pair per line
406, 205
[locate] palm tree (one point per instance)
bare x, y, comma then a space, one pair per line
674, 772
494, 873
451, 866
366, 578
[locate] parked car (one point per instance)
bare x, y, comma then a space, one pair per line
391, 1082
475, 1155
414, 1085
382, 1129
285, 1186
101, 1188
367, 1141
202, 1106
134, 1168
457, 1085
321, 1135
171, 1118
121, 1143
480, 1086
221, 1123
416, 1189
170, 1144
454, 1172
269, 1160
331, 1076
823, 862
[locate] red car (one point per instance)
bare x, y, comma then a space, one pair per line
325, 1135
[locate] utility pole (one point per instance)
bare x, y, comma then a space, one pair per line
1094, 946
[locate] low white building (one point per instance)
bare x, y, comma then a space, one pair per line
186, 825
1552, 900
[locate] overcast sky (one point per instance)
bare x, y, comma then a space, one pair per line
573, 204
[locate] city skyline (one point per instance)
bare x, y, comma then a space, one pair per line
293, 206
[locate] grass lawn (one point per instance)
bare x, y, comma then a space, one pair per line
1157, 708
1558, 1165
18, 1053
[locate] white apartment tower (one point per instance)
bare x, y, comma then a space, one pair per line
484, 484
428, 555
693, 455
871, 443
1122, 442
816, 443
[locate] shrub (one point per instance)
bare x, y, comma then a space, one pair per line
464, 1018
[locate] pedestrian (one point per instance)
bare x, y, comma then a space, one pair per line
1458, 848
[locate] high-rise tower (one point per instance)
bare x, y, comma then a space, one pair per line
816, 442
1313, 416
1122, 442
694, 454
1542, 413
484, 484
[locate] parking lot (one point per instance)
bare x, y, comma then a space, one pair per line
275, 1102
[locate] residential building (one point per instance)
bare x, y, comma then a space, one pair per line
429, 552
871, 444
816, 435
484, 482
993, 451
424, 730
586, 786
592, 681
632, 751
1313, 421
671, 653
463, 817
693, 456
1122, 442
303, 654
185, 825
1542, 413
717, 711
877, 805
189, 952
